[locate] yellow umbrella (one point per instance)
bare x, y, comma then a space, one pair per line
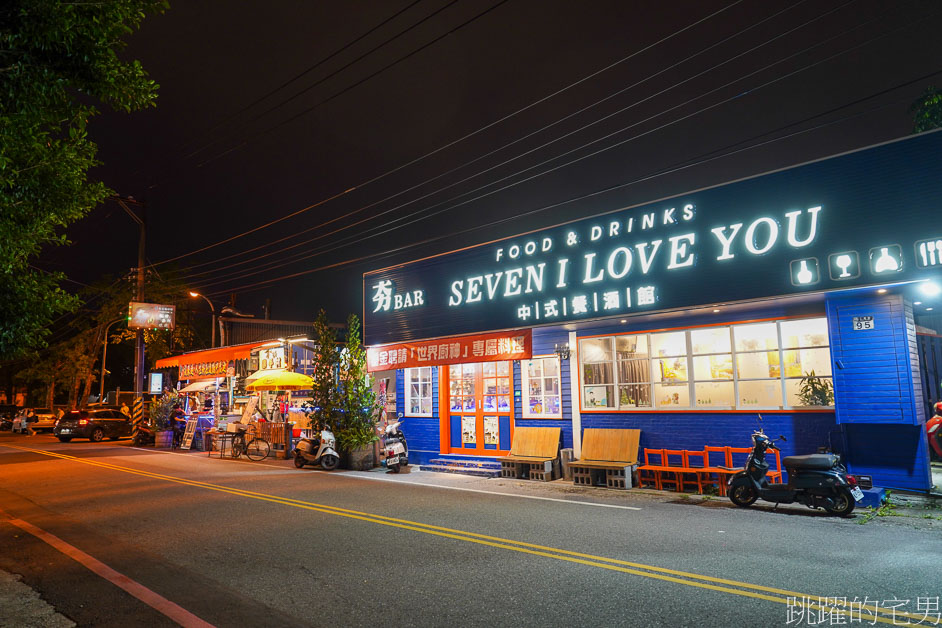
284, 380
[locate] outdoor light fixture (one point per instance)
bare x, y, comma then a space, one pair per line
212, 308
917, 302
562, 350
624, 320
716, 310
881, 291
930, 289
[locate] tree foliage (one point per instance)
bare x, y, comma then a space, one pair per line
356, 427
325, 401
72, 362
927, 111
55, 59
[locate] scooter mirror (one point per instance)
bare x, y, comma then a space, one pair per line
782, 438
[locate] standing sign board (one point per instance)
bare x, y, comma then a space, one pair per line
188, 433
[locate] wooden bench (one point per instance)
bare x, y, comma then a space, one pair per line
609, 456
534, 454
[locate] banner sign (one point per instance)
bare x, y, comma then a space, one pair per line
204, 369
501, 346
150, 316
859, 219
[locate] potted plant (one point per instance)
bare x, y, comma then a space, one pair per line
815, 391
356, 421
160, 410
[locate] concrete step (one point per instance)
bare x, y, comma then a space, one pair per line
470, 466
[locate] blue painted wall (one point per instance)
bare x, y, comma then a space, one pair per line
421, 432
878, 391
544, 343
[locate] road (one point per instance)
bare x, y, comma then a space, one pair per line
112, 535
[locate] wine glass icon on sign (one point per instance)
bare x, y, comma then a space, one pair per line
843, 266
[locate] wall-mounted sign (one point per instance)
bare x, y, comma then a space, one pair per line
217, 368
861, 323
498, 346
273, 358
756, 238
150, 316
155, 383
929, 252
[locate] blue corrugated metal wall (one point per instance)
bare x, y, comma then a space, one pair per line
878, 391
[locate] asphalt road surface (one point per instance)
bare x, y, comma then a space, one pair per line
111, 535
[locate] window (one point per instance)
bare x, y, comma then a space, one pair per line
541, 397
747, 366
419, 391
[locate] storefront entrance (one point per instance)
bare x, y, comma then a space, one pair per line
480, 416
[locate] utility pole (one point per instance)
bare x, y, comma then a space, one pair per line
141, 256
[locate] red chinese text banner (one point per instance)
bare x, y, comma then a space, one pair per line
495, 347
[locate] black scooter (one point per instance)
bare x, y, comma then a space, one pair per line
815, 480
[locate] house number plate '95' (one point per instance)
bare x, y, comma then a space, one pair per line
863, 322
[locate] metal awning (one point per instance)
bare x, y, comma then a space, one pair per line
200, 385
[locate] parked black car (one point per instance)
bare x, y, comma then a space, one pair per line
93, 424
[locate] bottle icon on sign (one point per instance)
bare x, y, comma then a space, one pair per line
843, 262
886, 262
803, 275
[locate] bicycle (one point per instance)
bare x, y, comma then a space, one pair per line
255, 449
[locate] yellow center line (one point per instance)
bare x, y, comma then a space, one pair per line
780, 596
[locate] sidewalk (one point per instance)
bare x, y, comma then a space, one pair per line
22, 607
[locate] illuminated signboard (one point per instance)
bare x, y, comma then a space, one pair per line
150, 316
863, 218
155, 383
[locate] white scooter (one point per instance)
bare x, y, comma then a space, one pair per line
397, 449
320, 451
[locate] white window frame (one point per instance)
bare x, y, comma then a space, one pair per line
525, 385
691, 375
408, 391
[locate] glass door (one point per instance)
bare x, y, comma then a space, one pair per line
479, 420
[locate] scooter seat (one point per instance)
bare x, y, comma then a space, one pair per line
821, 462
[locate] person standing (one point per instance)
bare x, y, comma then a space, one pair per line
125, 410
30, 419
177, 421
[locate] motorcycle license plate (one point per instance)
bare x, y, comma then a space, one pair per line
857, 493
392, 460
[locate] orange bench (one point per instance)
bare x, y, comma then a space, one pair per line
608, 458
534, 454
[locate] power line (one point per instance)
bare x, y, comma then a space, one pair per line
350, 87
469, 135
323, 79
488, 154
670, 170
386, 228
306, 71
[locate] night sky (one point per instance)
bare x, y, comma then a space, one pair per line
437, 122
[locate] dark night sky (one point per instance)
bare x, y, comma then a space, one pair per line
210, 168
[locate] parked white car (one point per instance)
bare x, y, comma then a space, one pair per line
46, 416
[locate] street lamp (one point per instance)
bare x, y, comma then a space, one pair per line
212, 309
104, 354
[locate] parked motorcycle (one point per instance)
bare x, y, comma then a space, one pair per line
397, 449
318, 451
934, 431
145, 436
815, 480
